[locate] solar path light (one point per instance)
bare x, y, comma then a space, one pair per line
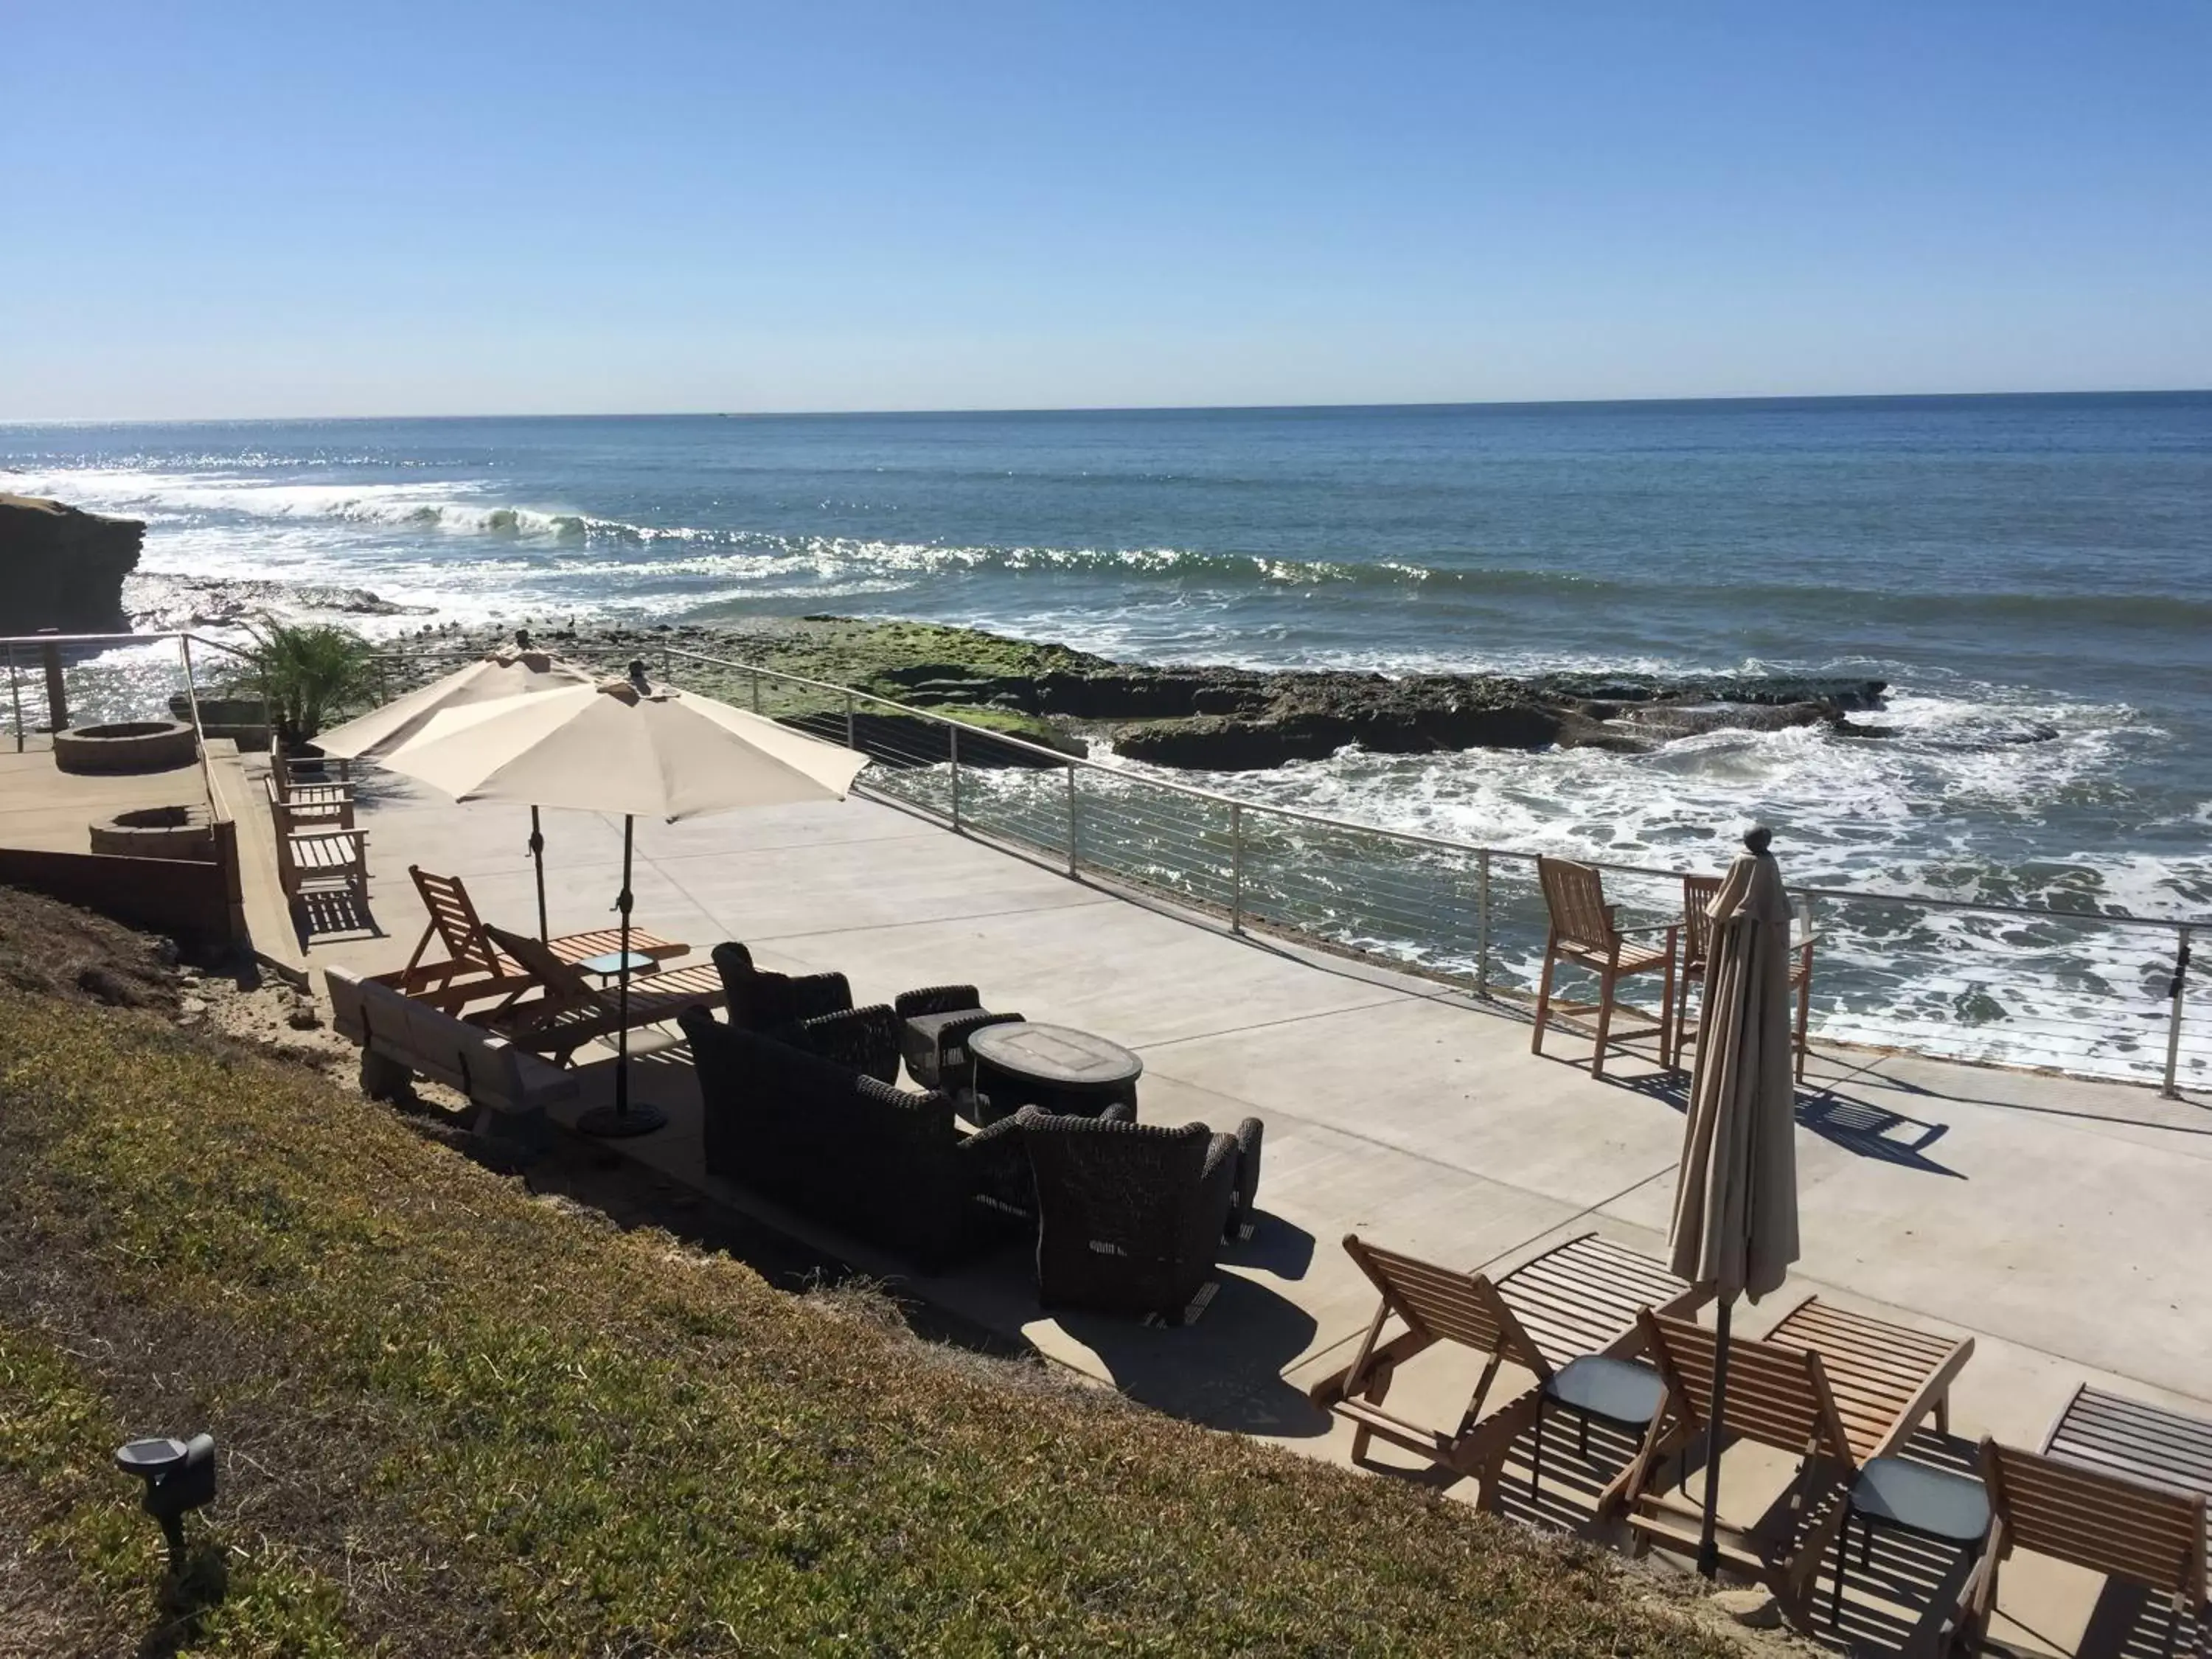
180, 1477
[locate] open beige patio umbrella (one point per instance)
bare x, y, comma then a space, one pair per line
511, 671
1735, 1197
629, 747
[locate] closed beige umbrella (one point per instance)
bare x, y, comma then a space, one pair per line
1735, 1197
624, 746
512, 672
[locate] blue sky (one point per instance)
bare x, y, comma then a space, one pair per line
225, 209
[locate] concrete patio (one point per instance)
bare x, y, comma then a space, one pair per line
2064, 1224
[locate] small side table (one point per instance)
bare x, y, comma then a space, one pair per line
1615, 1391
610, 965
1937, 1505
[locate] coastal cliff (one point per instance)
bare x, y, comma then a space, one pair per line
1201, 717
62, 567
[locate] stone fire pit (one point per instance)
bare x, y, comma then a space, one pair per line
125, 746
158, 832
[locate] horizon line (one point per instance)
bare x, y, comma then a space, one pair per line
1121, 409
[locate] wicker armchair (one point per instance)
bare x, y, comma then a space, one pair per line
865, 1040
933, 1027
763, 1000
1130, 1216
837, 1144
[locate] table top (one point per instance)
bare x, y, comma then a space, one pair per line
1055, 1054
1618, 1390
611, 963
2115, 1435
1939, 1503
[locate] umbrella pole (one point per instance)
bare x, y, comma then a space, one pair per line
1709, 1549
538, 858
619, 1119
622, 995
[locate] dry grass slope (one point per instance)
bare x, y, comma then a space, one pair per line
458, 1419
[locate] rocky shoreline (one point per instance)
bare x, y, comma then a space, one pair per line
1198, 717
64, 568
158, 601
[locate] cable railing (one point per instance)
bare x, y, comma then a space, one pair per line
2080, 992
2086, 992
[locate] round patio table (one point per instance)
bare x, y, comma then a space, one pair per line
1054, 1066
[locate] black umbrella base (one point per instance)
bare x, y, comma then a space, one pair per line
609, 1124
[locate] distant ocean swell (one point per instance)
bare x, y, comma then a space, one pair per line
748, 557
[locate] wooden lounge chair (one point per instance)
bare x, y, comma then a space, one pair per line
569, 1011
475, 968
324, 803
2146, 1534
1585, 931
1834, 1388
1697, 893
319, 860
1579, 1297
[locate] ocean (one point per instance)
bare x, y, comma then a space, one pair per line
2031, 574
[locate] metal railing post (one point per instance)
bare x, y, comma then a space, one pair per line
1482, 922
953, 739
1236, 867
2174, 996
1073, 844
852, 739
57, 686
15, 698
756, 691
383, 684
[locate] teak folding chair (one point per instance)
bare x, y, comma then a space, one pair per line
1585, 931
475, 968
2147, 1534
1835, 1388
1580, 1297
1697, 893
569, 1011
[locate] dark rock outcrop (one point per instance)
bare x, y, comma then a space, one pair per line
1213, 717
62, 567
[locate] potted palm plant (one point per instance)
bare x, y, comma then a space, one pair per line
308, 671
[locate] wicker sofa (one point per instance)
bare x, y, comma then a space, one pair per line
845, 1148
1130, 1216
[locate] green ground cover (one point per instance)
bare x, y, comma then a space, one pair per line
456, 1419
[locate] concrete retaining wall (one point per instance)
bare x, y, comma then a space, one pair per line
196, 904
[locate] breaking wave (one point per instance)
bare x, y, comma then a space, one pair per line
623, 550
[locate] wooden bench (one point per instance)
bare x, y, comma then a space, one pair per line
403, 1037
314, 862
322, 804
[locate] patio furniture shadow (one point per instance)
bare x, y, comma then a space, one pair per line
1225, 1370
1280, 1248
1859, 1127
588, 1173
328, 917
